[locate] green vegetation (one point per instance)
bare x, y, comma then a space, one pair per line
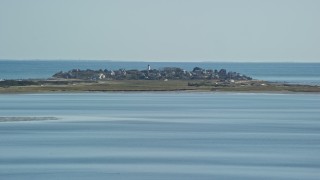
8, 83
152, 85
170, 73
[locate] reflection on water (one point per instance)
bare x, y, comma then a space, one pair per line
161, 136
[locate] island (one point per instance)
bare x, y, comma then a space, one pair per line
164, 79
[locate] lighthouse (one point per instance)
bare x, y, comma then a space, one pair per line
149, 67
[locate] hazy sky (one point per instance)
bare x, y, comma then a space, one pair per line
161, 30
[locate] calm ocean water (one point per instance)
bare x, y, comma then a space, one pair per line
303, 73
142, 136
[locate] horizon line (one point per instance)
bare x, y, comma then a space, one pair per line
174, 61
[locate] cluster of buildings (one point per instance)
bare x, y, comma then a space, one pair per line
167, 73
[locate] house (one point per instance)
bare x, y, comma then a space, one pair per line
102, 76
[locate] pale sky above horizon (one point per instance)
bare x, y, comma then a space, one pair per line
161, 30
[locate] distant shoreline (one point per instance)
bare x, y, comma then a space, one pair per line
74, 85
303, 73
150, 80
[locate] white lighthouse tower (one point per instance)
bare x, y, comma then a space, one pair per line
149, 67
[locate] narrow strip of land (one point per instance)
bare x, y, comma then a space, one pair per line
74, 85
20, 118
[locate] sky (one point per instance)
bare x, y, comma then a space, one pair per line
161, 30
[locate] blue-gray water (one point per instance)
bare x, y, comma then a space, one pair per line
142, 136
302, 73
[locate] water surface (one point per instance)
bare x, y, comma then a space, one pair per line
160, 136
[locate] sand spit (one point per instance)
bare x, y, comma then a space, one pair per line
14, 119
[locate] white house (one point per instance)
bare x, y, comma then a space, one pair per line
102, 76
